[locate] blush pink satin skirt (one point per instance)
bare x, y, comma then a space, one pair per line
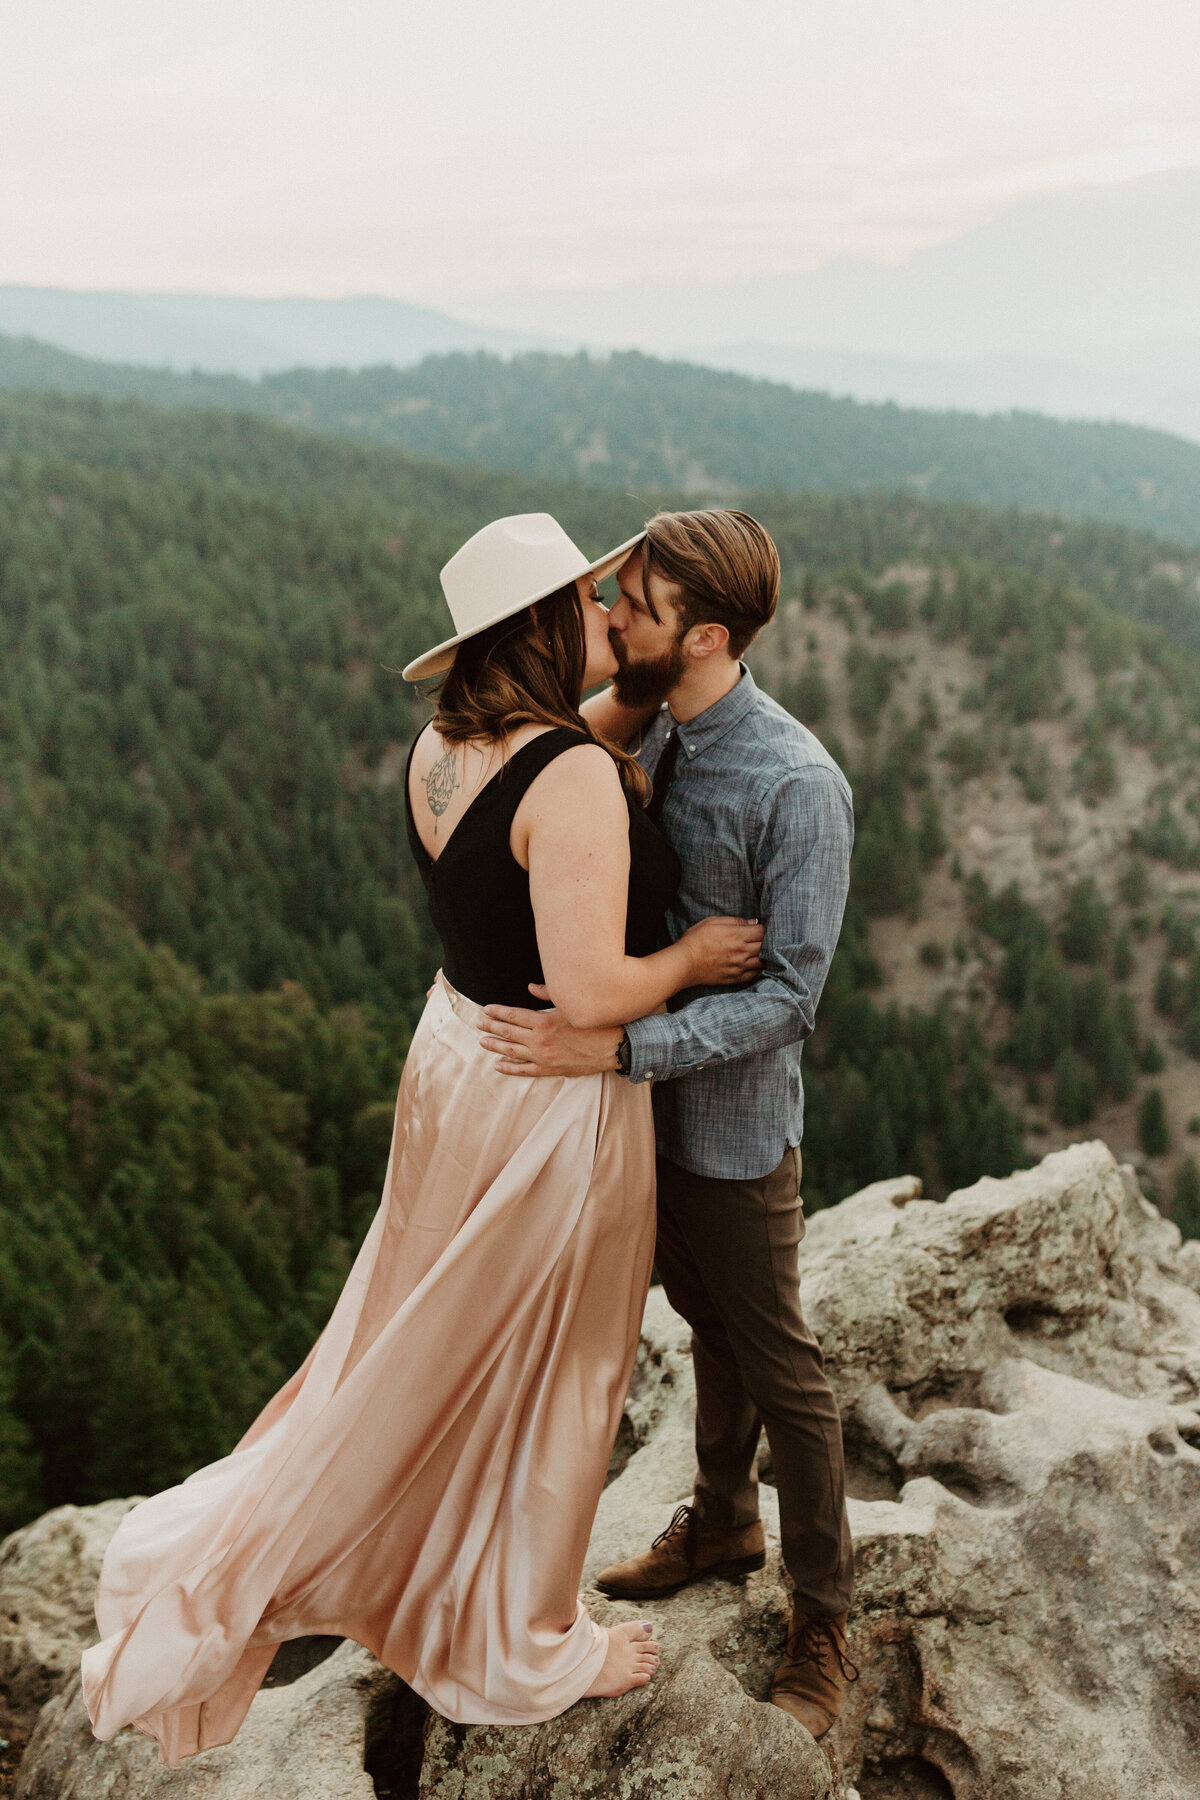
426, 1482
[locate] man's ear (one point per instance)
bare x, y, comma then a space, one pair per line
707, 639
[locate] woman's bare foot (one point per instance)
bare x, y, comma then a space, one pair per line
631, 1660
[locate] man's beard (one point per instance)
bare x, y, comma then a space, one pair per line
647, 683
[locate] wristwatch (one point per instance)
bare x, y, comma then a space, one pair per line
624, 1053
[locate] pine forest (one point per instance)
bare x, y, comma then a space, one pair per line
214, 949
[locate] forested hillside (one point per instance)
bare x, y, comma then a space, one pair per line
635, 421
213, 950
1027, 788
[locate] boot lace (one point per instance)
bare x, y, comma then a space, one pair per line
682, 1521
809, 1642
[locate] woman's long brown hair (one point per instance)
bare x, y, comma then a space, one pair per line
527, 670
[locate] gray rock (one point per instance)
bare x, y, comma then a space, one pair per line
1023, 1364
1019, 1372
693, 1733
48, 1576
307, 1738
306, 1741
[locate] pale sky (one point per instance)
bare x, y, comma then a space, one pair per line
456, 151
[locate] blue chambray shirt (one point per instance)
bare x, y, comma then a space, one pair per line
763, 822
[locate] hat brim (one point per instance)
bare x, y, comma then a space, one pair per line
439, 659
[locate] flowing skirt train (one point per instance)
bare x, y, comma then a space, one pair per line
426, 1482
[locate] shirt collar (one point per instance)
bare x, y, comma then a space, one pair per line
698, 733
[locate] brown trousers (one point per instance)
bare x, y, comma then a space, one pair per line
727, 1255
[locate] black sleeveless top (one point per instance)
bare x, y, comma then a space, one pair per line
479, 893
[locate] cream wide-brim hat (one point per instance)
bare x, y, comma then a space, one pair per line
503, 569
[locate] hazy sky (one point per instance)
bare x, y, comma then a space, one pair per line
448, 151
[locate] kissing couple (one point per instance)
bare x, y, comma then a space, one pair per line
637, 897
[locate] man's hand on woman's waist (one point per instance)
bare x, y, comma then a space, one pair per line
525, 1042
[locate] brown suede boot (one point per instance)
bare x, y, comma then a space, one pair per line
684, 1552
810, 1683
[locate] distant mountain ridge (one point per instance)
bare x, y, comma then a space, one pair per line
1105, 285
631, 420
246, 335
1082, 303
1106, 273
1161, 394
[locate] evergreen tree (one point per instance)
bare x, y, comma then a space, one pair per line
1074, 1089
968, 753
1032, 767
1185, 1199
20, 1473
932, 842
1153, 1133
1179, 929
806, 695
871, 674
1083, 935
1133, 883
1094, 771
888, 606
887, 863
1168, 990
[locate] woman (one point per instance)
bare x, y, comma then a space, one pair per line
426, 1482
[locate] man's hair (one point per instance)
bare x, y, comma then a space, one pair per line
723, 566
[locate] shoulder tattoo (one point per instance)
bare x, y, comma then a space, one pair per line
440, 784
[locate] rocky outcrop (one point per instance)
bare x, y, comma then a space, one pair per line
47, 1580
1029, 1593
309, 1740
1019, 1372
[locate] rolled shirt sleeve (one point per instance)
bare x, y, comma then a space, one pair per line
800, 855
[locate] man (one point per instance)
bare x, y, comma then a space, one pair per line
762, 820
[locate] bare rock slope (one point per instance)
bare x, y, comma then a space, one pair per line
1019, 1371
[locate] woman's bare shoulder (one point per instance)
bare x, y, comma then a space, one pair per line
580, 787
582, 770
576, 796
